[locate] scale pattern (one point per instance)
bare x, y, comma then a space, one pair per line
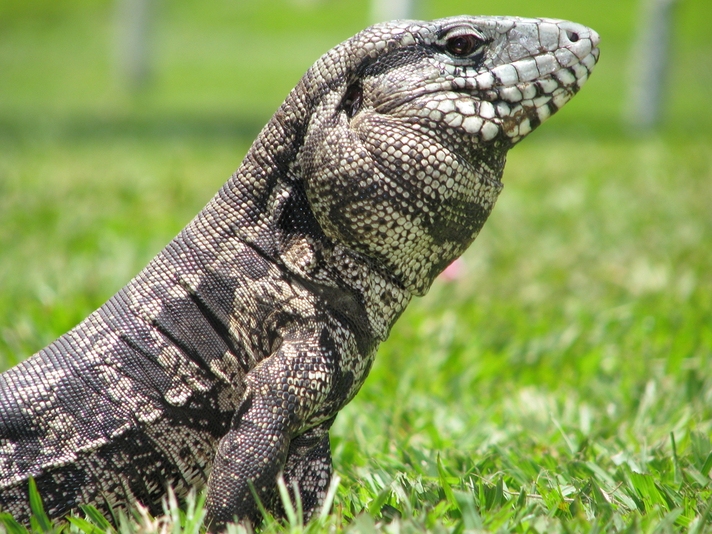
225, 361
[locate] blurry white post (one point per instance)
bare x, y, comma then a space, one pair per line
134, 22
383, 10
649, 64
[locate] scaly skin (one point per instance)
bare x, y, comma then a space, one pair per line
225, 361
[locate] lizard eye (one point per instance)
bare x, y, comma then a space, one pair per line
462, 45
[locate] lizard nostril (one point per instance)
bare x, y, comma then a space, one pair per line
573, 36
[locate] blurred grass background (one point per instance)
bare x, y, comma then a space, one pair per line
578, 335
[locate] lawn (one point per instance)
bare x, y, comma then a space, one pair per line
561, 383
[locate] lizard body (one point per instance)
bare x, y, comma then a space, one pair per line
225, 361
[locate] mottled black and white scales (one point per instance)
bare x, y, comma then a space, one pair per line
226, 360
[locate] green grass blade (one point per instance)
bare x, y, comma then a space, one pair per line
84, 525
96, 517
294, 522
40, 520
11, 525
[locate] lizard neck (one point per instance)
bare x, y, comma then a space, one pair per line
288, 236
264, 205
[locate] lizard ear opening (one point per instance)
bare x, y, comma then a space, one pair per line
353, 97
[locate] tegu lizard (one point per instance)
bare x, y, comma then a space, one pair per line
225, 361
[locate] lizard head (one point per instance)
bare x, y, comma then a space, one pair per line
403, 154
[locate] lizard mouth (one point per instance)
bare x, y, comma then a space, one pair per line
519, 96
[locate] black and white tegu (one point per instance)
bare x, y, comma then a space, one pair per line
226, 360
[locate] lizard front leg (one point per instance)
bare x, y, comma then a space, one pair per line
308, 467
283, 393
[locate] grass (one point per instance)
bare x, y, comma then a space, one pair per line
562, 383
